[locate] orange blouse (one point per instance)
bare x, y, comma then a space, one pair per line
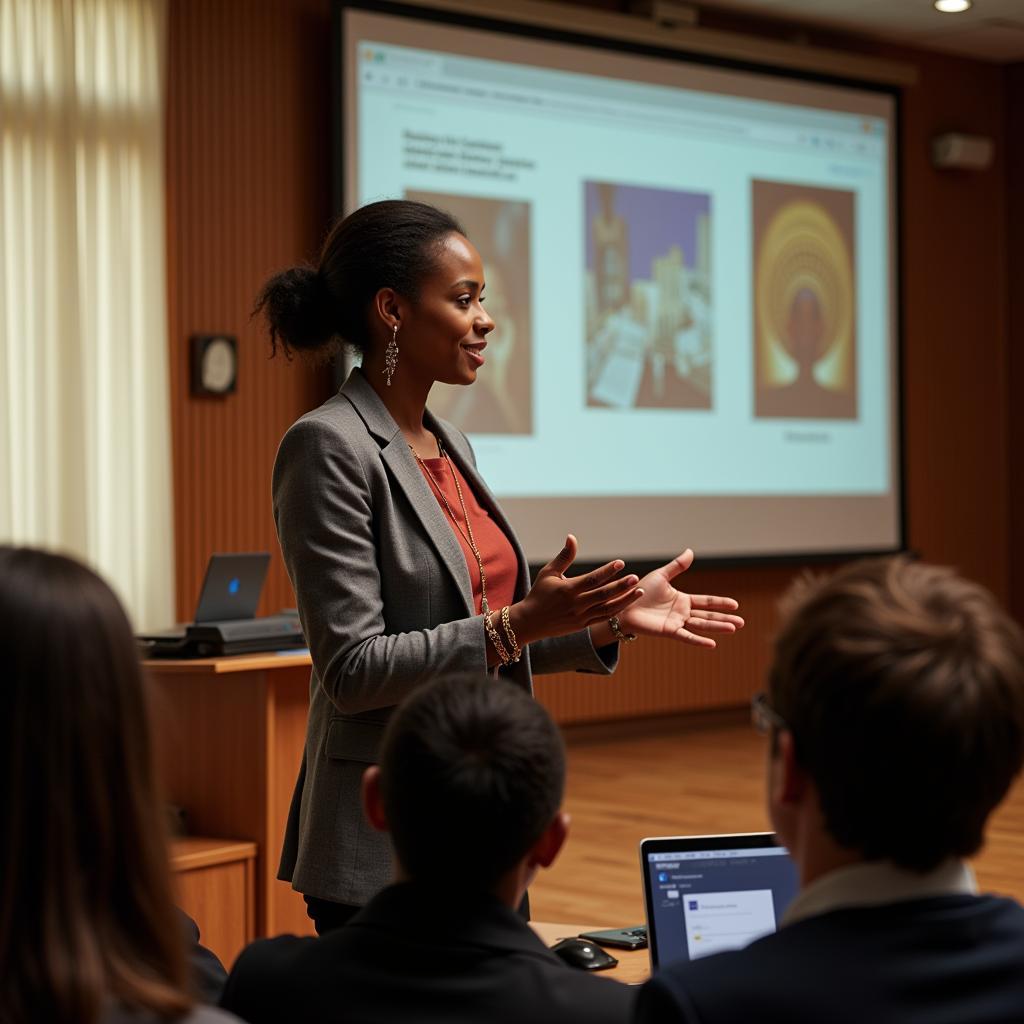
501, 566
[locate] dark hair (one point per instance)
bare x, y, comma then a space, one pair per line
86, 913
390, 244
903, 687
472, 773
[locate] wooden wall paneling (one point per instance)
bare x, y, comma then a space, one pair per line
247, 193
660, 677
954, 276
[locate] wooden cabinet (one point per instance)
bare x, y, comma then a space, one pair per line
229, 737
215, 884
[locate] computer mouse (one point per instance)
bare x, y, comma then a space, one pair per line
583, 954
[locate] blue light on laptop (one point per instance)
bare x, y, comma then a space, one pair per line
233, 586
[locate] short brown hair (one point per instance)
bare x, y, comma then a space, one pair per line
903, 687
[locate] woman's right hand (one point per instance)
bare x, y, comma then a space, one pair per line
558, 605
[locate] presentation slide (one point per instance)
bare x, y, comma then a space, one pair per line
707, 901
717, 921
691, 274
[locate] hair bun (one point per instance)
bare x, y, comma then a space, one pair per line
298, 309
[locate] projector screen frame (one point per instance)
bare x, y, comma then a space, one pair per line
887, 85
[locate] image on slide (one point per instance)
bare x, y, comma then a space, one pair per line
805, 341
501, 400
648, 297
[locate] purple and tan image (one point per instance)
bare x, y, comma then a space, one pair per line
648, 297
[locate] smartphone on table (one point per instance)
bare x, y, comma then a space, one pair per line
620, 938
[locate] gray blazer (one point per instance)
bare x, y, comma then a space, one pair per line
386, 604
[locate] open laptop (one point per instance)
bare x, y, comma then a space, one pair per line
225, 621
706, 894
231, 590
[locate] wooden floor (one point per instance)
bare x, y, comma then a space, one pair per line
678, 777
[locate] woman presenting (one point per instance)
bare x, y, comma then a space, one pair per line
402, 562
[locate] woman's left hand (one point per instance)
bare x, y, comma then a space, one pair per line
666, 612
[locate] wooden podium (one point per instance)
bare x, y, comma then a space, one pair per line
229, 735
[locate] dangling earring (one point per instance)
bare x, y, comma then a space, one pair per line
391, 355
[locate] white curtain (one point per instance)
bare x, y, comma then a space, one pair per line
84, 405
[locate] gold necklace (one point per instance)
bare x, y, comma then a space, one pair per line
467, 534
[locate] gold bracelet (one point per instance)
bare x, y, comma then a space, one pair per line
517, 651
624, 638
492, 634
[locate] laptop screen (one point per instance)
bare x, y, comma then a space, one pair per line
706, 894
232, 587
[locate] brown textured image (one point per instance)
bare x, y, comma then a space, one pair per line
501, 400
805, 344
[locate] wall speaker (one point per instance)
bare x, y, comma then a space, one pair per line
965, 152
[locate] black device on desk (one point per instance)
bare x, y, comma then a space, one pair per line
620, 938
586, 955
225, 620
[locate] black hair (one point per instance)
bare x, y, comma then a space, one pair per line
472, 773
390, 244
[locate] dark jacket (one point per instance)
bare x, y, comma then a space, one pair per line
199, 1015
412, 956
942, 960
207, 971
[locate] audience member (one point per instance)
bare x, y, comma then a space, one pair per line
896, 712
469, 787
88, 930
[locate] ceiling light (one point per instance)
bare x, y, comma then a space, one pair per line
952, 6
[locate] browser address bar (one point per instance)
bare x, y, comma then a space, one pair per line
604, 109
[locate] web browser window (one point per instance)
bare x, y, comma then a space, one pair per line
692, 275
704, 902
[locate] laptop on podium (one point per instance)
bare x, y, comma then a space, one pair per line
225, 621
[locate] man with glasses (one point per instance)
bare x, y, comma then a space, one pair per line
895, 710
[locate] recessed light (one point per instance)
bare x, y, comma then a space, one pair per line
952, 6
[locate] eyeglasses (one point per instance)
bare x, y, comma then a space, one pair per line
763, 716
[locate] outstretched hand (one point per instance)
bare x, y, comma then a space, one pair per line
558, 604
663, 611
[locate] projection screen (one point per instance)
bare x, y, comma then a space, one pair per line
692, 272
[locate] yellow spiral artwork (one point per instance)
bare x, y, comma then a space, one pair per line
803, 251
